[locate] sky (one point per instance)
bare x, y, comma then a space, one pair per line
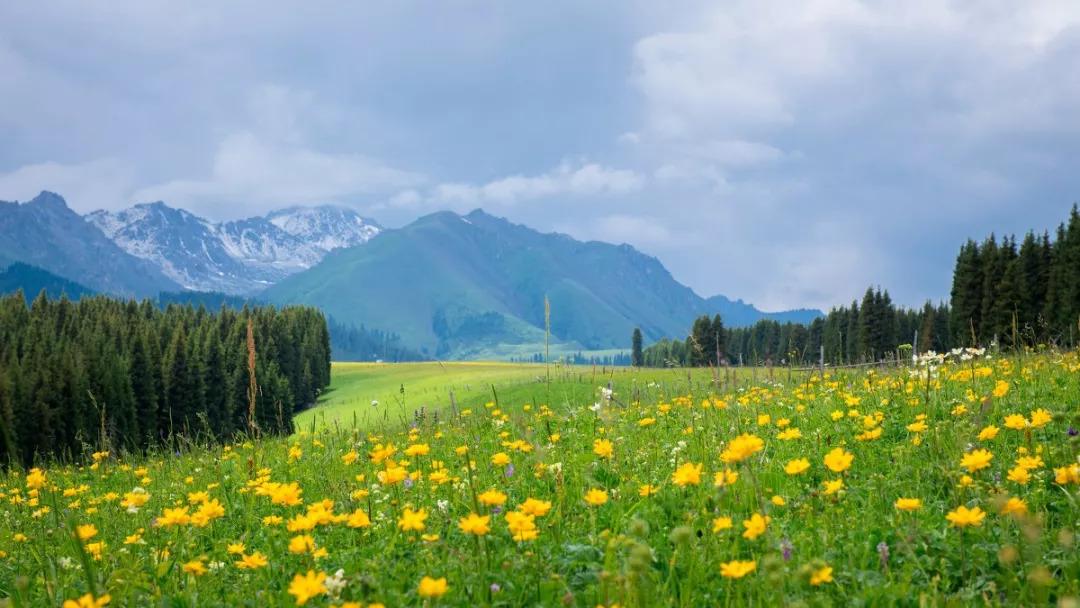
786, 153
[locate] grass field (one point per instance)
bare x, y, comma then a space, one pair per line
370, 394
952, 483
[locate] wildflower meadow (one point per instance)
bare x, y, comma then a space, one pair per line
951, 480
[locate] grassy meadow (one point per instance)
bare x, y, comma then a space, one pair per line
951, 482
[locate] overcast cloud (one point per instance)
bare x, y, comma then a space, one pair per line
788, 153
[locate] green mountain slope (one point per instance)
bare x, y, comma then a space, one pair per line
455, 286
32, 280
45, 233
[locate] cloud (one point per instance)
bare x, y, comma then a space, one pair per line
249, 174
86, 186
789, 154
578, 181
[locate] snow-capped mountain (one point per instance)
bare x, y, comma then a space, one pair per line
236, 257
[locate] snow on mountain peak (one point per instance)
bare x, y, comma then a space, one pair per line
241, 256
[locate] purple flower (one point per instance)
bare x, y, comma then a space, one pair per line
496, 510
408, 483
1073, 432
495, 588
509, 472
786, 548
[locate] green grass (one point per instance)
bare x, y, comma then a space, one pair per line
547, 442
354, 386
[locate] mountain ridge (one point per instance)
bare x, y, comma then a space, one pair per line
449, 283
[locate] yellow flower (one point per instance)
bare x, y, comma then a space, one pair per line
492, 498
235, 548
1066, 475
725, 478
741, 448
302, 543
358, 519
412, 521
778, 501
95, 549
821, 576
908, 504
35, 479
349, 457
86, 531
737, 568
647, 490
839, 460
521, 525
988, 433
755, 526
603, 448
917, 427
794, 467
646, 422
174, 517
418, 449
475, 524
307, 586
1014, 506
1019, 475
195, 568
1040, 418
962, 517
252, 562
432, 587
595, 497
834, 486
534, 507
789, 434
1001, 388
688, 474
88, 601
500, 459
1030, 462
1016, 422
721, 523
976, 460
207, 512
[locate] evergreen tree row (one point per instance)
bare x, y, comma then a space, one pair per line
125, 375
868, 331
1001, 293
1019, 294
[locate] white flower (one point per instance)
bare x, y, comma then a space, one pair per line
374, 403
336, 583
443, 505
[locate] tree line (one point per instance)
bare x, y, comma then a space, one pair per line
1001, 293
1019, 293
102, 373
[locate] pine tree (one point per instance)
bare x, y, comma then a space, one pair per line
637, 355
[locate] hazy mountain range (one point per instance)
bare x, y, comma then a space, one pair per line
449, 285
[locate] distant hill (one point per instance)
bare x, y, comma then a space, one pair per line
32, 280
737, 313
47, 234
456, 285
